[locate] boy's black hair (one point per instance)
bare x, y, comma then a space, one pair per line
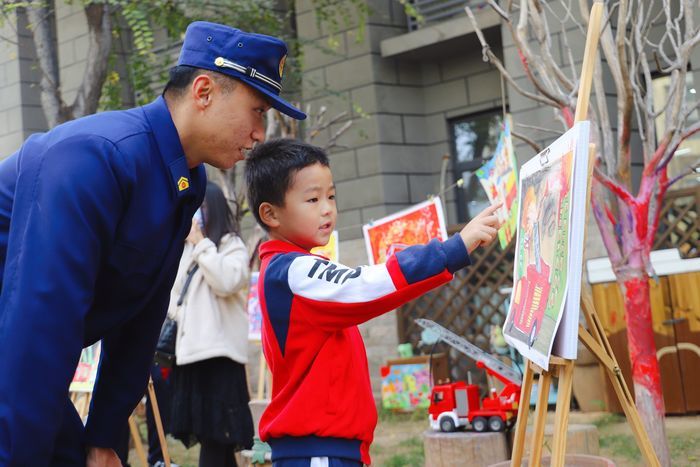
270, 170
181, 76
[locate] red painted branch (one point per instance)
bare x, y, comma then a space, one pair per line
613, 186
606, 224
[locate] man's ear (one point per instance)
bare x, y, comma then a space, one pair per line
202, 87
268, 214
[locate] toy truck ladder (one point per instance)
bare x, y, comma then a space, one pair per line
472, 351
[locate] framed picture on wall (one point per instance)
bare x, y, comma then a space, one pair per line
416, 225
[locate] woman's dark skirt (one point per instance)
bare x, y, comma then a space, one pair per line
210, 401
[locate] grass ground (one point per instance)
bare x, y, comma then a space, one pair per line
398, 440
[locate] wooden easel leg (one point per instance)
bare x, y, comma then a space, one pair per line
540, 419
523, 412
159, 423
561, 419
138, 443
262, 366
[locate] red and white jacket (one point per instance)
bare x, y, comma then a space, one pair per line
322, 403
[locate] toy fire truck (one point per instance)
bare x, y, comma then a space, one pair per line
531, 294
456, 405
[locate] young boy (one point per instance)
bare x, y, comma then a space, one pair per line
322, 411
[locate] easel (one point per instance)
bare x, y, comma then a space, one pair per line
264, 383
594, 338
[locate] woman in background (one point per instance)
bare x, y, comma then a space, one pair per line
208, 300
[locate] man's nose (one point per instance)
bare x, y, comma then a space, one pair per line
258, 133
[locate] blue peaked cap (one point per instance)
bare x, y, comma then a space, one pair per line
255, 59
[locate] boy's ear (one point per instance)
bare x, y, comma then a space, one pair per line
268, 214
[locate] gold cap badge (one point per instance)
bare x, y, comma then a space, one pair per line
183, 184
284, 59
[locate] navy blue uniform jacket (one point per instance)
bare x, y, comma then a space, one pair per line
93, 217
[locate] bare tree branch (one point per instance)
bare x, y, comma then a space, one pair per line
539, 128
692, 170
490, 57
333, 141
527, 140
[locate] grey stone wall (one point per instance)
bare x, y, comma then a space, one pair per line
11, 135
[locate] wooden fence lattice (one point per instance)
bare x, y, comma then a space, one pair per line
679, 226
477, 297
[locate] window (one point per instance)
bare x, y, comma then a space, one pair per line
474, 139
689, 151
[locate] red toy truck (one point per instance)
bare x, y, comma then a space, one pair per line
456, 405
531, 295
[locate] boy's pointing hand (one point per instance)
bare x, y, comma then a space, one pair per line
481, 230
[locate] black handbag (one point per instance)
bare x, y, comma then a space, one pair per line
165, 348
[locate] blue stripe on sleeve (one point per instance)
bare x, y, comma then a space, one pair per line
420, 262
278, 296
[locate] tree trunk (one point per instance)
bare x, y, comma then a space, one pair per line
642, 352
41, 20
628, 235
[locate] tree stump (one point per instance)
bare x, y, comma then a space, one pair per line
464, 448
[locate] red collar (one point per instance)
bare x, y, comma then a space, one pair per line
272, 247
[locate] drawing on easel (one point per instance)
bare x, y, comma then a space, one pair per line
86, 371
499, 177
254, 311
547, 248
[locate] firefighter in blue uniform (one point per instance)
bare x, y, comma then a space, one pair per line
93, 217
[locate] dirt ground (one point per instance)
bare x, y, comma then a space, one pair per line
399, 443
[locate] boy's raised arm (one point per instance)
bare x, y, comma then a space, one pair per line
334, 296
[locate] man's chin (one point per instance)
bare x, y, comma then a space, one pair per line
226, 164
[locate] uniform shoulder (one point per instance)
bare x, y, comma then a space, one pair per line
113, 126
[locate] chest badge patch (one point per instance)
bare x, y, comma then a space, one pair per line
183, 184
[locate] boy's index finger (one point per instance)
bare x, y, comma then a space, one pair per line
491, 220
491, 209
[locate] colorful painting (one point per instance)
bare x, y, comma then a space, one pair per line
330, 249
499, 177
546, 223
406, 387
416, 225
86, 371
254, 310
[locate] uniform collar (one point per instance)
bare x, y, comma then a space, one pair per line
168, 141
272, 247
